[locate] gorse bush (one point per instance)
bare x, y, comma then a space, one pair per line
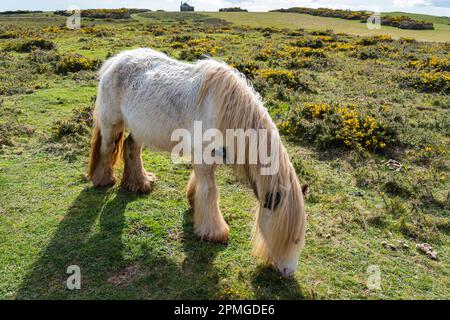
431, 74
402, 22
331, 125
27, 45
432, 63
10, 35
428, 81
234, 9
283, 77
199, 48
104, 13
74, 62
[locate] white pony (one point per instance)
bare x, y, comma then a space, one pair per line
152, 95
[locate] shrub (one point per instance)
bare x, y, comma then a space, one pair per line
74, 62
402, 22
248, 68
407, 40
328, 125
104, 13
28, 45
366, 41
309, 43
343, 46
234, 9
405, 22
428, 81
199, 48
283, 77
432, 63
9, 35
51, 29
368, 53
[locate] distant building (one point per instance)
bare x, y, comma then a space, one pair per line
186, 7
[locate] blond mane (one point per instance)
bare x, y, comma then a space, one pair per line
242, 108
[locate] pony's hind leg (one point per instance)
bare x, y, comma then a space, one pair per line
135, 178
204, 196
106, 150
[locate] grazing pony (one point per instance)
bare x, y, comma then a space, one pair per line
152, 95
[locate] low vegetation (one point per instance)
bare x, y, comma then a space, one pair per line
364, 119
123, 13
402, 22
234, 9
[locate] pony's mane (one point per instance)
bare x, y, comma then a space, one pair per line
241, 107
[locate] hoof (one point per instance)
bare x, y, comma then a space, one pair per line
218, 235
103, 182
142, 185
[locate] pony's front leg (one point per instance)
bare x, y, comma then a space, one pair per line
135, 178
204, 196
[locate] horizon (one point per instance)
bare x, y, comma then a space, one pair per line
440, 8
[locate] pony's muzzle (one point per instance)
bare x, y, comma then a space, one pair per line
285, 271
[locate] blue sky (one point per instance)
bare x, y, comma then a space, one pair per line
436, 7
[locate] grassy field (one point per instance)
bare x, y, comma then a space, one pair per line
308, 22
345, 105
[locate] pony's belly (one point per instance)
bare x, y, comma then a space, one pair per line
154, 133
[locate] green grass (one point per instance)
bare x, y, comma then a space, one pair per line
308, 22
143, 247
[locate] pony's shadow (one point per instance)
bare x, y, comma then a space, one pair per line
268, 285
195, 277
79, 240
90, 236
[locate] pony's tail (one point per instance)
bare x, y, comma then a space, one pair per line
96, 143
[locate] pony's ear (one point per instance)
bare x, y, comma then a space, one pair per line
269, 198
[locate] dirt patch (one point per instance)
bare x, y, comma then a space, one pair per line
127, 275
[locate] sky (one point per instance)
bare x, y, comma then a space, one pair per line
434, 7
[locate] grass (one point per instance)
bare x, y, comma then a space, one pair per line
308, 22
143, 247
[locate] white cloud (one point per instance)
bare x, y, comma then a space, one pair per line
411, 3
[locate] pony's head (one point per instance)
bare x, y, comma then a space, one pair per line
279, 229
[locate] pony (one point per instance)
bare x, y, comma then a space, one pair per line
151, 95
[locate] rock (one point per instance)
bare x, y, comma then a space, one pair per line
432, 255
357, 193
393, 165
392, 247
424, 247
387, 245
428, 250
